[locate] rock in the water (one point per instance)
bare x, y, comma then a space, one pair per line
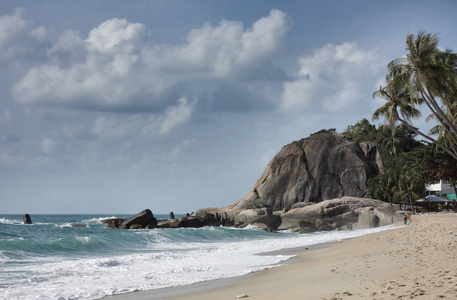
136, 226
217, 216
306, 227
145, 219
27, 219
318, 168
189, 222
261, 217
248, 215
113, 222
78, 226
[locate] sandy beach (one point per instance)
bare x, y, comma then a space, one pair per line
418, 261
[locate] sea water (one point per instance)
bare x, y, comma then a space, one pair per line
51, 259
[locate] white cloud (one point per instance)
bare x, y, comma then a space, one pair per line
118, 68
335, 77
175, 116
17, 39
116, 126
116, 36
228, 49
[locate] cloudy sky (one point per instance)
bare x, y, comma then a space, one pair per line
118, 106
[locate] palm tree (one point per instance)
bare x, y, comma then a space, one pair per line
407, 189
398, 106
425, 76
381, 186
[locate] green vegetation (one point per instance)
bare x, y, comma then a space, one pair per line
330, 130
259, 205
425, 79
397, 182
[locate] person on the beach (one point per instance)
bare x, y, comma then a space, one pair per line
408, 219
405, 220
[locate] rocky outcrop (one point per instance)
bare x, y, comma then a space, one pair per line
379, 216
144, 219
184, 222
262, 218
27, 219
113, 222
318, 168
217, 216
250, 215
341, 214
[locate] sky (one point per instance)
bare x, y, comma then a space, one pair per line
117, 106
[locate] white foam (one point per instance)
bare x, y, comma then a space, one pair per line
64, 225
187, 263
10, 222
95, 221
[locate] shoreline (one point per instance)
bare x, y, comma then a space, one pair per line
215, 284
415, 261
219, 283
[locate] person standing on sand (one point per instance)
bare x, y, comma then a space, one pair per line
405, 220
408, 219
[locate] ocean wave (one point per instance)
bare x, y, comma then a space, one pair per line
93, 262
94, 221
64, 225
11, 222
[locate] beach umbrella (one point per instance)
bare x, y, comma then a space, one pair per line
433, 198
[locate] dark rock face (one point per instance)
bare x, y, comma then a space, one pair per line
113, 223
144, 219
306, 227
27, 219
271, 222
318, 168
216, 216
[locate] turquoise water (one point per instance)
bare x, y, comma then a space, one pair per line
51, 259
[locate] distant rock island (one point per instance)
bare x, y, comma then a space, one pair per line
316, 183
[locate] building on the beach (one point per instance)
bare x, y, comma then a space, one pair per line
439, 188
440, 195
442, 189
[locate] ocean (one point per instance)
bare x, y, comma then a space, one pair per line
51, 259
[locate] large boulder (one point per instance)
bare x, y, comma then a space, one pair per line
376, 216
249, 215
144, 219
344, 213
318, 168
189, 222
217, 216
261, 217
113, 222
307, 227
